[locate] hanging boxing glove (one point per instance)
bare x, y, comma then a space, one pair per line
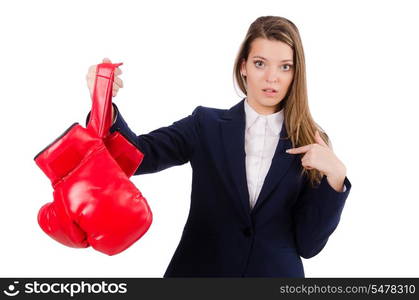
94, 202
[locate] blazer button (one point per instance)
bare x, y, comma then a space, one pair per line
247, 231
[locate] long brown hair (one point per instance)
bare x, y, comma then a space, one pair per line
299, 123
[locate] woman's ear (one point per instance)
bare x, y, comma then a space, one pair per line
243, 68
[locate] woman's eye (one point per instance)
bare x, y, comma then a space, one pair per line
258, 61
290, 66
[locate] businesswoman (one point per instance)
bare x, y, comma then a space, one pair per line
267, 188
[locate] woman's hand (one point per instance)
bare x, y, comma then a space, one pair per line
91, 75
321, 157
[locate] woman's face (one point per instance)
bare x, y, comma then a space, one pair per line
269, 66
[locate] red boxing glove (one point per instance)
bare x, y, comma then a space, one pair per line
94, 204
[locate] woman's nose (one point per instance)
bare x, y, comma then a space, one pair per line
272, 75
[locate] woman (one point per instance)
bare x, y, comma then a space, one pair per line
256, 208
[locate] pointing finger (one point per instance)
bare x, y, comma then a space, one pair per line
298, 150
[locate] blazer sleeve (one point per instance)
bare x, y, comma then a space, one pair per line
164, 147
316, 215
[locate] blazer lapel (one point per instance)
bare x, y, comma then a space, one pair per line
280, 164
232, 130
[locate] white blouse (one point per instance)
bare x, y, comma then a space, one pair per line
261, 139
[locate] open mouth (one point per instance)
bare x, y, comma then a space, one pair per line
270, 91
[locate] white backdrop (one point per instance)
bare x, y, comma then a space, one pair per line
362, 62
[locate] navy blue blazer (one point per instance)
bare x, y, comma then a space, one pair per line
223, 236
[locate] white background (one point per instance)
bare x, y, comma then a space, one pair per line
362, 82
